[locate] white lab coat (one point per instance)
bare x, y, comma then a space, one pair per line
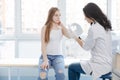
99, 43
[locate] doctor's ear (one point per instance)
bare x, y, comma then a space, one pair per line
93, 20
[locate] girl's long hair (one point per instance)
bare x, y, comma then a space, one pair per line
48, 23
93, 12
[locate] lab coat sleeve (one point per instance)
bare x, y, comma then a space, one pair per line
90, 40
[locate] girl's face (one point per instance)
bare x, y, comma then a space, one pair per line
56, 17
88, 20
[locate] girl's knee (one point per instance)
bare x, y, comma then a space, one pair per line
60, 71
60, 75
43, 75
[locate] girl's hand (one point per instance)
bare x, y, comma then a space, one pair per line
45, 65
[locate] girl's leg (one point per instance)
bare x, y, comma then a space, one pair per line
74, 71
43, 74
58, 65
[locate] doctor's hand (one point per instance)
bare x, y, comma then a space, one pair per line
72, 34
45, 65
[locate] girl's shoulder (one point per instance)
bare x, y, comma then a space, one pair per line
44, 27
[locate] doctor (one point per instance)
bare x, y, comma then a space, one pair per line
98, 42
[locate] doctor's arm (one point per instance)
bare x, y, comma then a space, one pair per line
79, 40
89, 41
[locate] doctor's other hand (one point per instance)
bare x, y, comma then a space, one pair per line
72, 34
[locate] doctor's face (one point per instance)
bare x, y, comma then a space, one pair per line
88, 20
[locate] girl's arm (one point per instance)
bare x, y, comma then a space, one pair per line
67, 33
43, 47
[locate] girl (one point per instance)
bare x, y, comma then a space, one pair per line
51, 35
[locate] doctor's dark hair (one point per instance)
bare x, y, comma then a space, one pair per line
93, 12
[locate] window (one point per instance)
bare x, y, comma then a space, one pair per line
20, 25
7, 28
7, 17
34, 14
7, 49
74, 11
117, 15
